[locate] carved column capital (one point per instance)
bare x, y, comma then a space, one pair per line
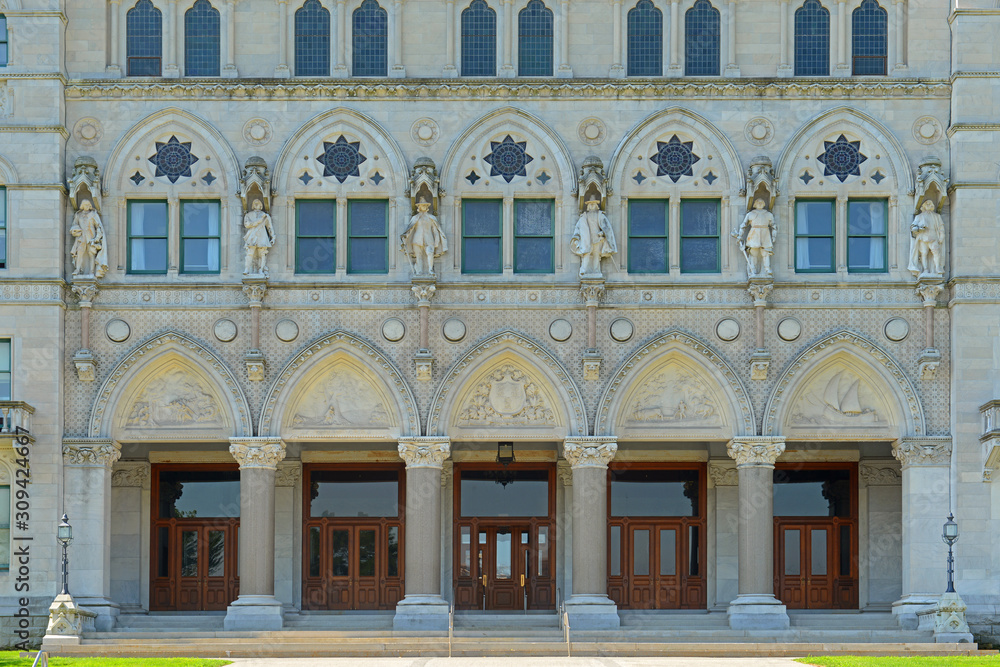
759, 291
756, 450
929, 292
592, 291
288, 473
255, 292
923, 451
265, 453
131, 473
85, 293
880, 473
91, 452
723, 474
589, 452
424, 452
424, 293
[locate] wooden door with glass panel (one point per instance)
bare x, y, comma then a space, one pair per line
352, 533
195, 533
815, 534
656, 537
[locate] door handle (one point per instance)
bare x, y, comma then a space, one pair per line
484, 581
522, 581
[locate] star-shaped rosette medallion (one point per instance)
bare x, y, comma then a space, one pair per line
674, 158
173, 159
341, 158
508, 158
841, 158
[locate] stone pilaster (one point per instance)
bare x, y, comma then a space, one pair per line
755, 607
87, 466
256, 608
589, 606
422, 606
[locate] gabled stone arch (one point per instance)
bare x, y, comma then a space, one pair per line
493, 127
167, 387
876, 139
224, 165
844, 387
307, 142
340, 387
8, 173
535, 397
709, 140
643, 400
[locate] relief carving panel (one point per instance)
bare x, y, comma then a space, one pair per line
838, 398
175, 399
343, 398
506, 396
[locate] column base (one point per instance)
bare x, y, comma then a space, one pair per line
113, 72
230, 72
785, 71
421, 612
507, 72
757, 612
171, 72
675, 70
592, 612
254, 612
731, 71
106, 611
617, 71
450, 72
397, 72
564, 72
842, 69
340, 72
282, 72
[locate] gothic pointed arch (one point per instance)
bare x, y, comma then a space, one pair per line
675, 387
507, 386
168, 387
340, 387
8, 173
844, 387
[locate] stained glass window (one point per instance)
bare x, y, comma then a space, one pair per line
173, 159
812, 39
645, 40
312, 40
479, 40
534, 40
700, 236
647, 235
533, 236
814, 235
341, 158
870, 38
508, 158
143, 39
842, 158
368, 236
201, 40
702, 39
482, 223
371, 40
316, 236
200, 237
866, 236
674, 158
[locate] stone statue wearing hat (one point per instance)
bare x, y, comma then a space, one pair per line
423, 240
257, 240
927, 244
593, 239
756, 238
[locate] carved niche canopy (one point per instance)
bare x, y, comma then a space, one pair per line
339, 398
673, 395
506, 396
175, 399
840, 397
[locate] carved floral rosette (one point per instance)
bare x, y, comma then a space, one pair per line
923, 451
91, 452
424, 452
756, 450
589, 452
265, 453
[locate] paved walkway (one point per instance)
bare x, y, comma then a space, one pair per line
515, 662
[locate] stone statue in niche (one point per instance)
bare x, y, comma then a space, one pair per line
90, 253
423, 241
257, 240
756, 239
593, 239
927, 244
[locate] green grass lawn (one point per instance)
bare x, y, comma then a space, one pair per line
908, 661
12, 659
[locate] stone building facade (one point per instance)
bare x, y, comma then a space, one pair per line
721, 404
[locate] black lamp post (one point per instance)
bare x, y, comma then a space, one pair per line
64, 533
950, 536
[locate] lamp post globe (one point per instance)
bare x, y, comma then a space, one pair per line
64, 534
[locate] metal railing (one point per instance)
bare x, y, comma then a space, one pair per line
41, 660
14, 414
451, 625
564, 622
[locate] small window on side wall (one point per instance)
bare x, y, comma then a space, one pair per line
4, 52
143, 39
316, 236
5, 364
814, 222
147, 237
3, 228
647, 235
866, 236
200, 237
4, 527
368, 236
869, 39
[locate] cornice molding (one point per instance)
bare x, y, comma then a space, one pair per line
58, 129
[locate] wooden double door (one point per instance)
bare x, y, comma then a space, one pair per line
656, 564
505, 566
352, 565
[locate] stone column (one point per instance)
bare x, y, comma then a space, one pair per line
589, 607
900, 39
732, 68
283, 69
256, 608
618, 57
843, 53
676, 68
507, 69
422, 606
451, 19
926, 463
755, 607
229, 70
87, 500
565, 70
114, 68
784, 65
397, 70
340, 70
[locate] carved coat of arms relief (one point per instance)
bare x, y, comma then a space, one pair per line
507, 396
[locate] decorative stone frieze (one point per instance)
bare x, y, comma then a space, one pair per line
447, 473
424, 452
923, 451
880, 474
723, 474
756, 450
288, 473
264, 453
591, 452
93, 452
130, 473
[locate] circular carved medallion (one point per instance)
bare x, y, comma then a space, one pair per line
393, 330
257, 131
727, 329
424, 131
592, 131
286, 330
897, 329
622, 329
560, 330
789, 329
453, 330
225, 330
88, 131
118, 330
758, 131
927, 129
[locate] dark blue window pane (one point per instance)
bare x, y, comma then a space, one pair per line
479, 40
368, 241
533, 237
699, 236
312, 40
481, 236
482, 218
533, 255
814, 254
647, 218
371, 41
534, 40
645, 40
647, 243
866, 235
481, 255
814, 218
647, 255
201, 40
143, 39
148, 256
869, 30
812, 39
3, 43
315, 255
702, 38
315, 245
317, 218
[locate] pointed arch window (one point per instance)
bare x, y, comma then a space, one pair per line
870, 39
312, 40
812, 39
645, 40
143, 39
370, 40
702, 39
534, 40
201, 40
479, 40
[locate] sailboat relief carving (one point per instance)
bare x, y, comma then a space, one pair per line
840, 399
